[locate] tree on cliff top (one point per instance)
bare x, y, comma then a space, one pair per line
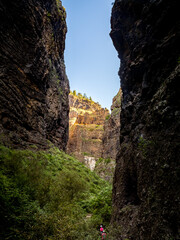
85, 96
79, 95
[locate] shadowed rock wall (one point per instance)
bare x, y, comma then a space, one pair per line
33, 84
111, 136
146, 183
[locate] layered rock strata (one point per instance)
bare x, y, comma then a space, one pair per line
86, 128
146, 193
33, 84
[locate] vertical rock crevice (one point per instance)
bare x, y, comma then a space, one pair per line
146, 194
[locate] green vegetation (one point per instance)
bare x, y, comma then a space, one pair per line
74, 92
94, 127
80, 95
53, 73
118, 98
55, 77
86, 154
49, 14
60, 91
61, 10
108, 116
104, 160
144, 145
47, 196
100, 127
84, 96
115, 111
178, 60
95, 141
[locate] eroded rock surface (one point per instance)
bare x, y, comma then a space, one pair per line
146, 184
33, 84
92, 136
111, 137
86, 128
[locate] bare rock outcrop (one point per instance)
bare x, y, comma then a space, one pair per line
33, 84
86, 128
146, 192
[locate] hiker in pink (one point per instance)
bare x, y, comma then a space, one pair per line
101, 229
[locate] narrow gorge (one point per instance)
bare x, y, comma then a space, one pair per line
67, 164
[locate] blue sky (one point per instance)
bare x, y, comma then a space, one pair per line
91, 60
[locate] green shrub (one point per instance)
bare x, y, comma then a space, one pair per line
108, 116
107, 160
86, 154
178, 60
49, 14
46, 195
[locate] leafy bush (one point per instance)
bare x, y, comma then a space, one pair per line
47, 195
108, 116
74, 92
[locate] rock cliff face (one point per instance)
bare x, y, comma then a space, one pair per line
110, 142
33, 84
146, 193
86, 128
111, 137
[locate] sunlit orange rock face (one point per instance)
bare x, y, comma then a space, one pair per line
86, 127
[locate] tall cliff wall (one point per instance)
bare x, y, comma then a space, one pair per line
86, 128
111, 136
92, 137
146, 35
33, 84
